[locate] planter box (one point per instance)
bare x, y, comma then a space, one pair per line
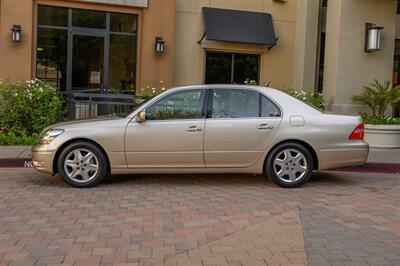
382, 136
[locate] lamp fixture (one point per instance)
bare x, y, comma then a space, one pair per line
16, 33
159, 45
372, 37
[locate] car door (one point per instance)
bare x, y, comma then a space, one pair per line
239, 127
172, 136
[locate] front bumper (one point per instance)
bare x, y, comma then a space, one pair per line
349, 155
42, 158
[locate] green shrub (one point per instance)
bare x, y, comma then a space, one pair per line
12, 139
380, 120
311, 98
27, 108
379, 97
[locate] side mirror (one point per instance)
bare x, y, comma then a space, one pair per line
141, 117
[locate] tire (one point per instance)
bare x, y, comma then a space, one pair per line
82, 165
289, 165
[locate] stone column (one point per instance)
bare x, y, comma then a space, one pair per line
306, 40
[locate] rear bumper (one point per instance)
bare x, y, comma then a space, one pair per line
42, 159
349, 155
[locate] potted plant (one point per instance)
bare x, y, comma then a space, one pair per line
381, 130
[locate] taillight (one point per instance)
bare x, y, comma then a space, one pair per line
358, 133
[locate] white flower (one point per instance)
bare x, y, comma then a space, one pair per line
163, 89
161, 81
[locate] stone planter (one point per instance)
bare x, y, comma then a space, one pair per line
382, 136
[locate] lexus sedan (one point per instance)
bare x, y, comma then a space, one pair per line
205, 129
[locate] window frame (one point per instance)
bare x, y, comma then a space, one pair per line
76, 30
203, 105
232, 61
210, 100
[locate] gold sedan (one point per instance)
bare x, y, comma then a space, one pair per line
205, 129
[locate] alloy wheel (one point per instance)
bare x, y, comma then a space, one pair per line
290, 165
81, 165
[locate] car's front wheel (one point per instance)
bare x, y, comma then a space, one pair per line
289, 165
82, 164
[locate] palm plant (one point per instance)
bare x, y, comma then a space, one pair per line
379, 96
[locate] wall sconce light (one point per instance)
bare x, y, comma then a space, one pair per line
372, 37
16, 33
160, 45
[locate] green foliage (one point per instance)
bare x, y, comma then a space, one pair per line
380, 120
27, 108
314, 99
151, 91
12, 139
379, 96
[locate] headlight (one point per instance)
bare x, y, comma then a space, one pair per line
50, 135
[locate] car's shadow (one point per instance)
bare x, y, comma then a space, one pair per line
317, 179
320, 178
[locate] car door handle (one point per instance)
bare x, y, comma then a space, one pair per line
265, 126
194, 129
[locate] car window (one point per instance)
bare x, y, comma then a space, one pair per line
268, 108
179, 105
235, 103
238, 103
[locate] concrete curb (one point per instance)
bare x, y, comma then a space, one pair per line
12, 152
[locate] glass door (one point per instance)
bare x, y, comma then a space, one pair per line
87, 68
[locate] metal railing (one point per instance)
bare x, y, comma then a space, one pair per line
83, 105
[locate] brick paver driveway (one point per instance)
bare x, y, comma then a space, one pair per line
336, 219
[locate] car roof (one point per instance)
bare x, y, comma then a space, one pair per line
223, 86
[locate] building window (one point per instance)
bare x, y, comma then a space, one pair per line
86, 50
320, 64
398, 7
51, 56
396, 70
231, 68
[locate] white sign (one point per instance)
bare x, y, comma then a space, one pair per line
95, 77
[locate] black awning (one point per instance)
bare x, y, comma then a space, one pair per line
238, 26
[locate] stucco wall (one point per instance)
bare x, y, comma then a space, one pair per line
16, 58
158, 20
347, 67
276, 64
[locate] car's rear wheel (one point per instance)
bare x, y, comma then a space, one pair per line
82, 164
289, 165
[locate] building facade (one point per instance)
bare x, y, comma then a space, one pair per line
121, 46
